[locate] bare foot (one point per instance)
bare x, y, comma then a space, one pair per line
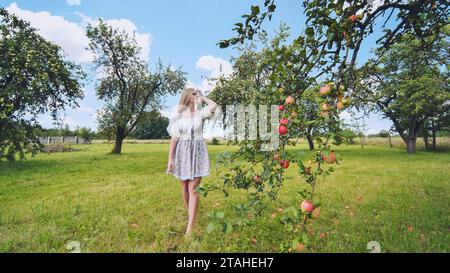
188, 233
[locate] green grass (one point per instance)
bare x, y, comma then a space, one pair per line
94, 197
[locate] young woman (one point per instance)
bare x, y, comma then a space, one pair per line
188, 154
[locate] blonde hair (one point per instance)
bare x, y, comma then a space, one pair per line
184, 99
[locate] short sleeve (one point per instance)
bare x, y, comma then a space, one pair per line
173, 128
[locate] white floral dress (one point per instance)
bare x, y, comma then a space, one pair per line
190, 158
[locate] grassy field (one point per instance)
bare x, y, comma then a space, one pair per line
127, 203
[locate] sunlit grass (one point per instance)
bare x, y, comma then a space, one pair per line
126, 203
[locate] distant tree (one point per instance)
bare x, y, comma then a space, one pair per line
409, 87
87, 133
308, 115
432, 126
151, 126
66, 131
34, 79
384, 134
348, 136
127, 86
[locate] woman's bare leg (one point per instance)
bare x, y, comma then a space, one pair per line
185, 190
193, 203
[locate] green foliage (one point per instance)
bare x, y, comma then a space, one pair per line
348, 136
409, 86
35, 78
215, 141
151, 126
384, 133
86, 133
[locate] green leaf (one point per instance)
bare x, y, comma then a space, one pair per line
228, 228
289, 227
300, 166
255, 10
309, 31
211, 227
220, 214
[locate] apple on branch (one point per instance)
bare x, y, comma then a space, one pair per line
307, 206
290, 100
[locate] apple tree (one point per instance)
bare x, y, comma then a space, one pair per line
35, 78
127, 86
409, 86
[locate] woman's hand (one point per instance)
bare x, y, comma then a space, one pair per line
170, 166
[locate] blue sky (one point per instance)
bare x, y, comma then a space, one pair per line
180, 32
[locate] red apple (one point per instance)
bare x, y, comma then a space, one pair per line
282, 130
290, 100
332, 157
353, 18
326, 107
257, 179
276, 157
284, 164
307, 206
315, 213
281, 107
340, 105
325, 90
284, 121
300, 248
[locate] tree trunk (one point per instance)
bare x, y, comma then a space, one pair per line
412, 145
412, 136
120, 135
433, 130
425, 141
310, 142
390, 141
362, 141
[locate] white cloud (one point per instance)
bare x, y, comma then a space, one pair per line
73, 2
144, 40
72, 36
216, 67
85, 109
